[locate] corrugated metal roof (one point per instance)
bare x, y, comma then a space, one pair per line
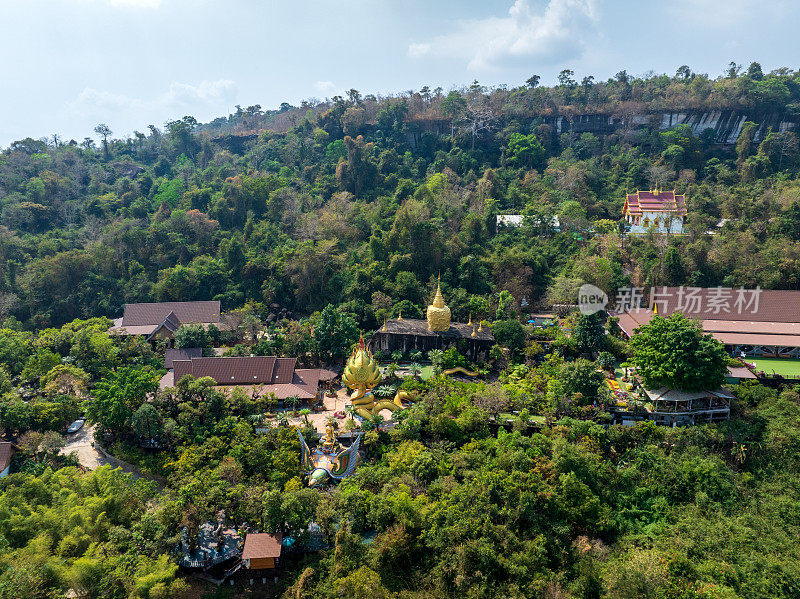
667, 394
721, 303
155, 313
757, 339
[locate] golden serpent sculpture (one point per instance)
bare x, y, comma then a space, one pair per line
361, 374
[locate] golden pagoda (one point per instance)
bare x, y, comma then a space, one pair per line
438, 312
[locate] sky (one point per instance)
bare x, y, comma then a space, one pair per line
67, 65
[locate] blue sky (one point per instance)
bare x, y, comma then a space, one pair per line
70, 64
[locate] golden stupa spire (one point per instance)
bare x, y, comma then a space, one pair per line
470, 319
438, 312
384, 325
400, 315
480, 326
473, 331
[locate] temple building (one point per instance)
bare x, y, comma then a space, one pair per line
161, 320
759, 323
664, 210
261, 375
436, 332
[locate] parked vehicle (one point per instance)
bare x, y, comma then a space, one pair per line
76, 426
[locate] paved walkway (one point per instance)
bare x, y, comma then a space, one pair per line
333, 404
92, 458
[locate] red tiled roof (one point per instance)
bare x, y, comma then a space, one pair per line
745, 326
648, 201
262, 545
155, 313
631, 320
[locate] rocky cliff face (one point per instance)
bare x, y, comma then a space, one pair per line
727, 124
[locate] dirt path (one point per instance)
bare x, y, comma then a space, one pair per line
92, 458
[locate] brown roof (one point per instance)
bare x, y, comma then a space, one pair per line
136, 315
756, 339
181, 354
275, 375
6, 453
648, 201
746, 326
261, 545
740, 372
414, 326
724, 303
304, 385
775, 322
629, 321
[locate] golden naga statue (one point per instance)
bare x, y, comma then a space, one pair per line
361, 374
438, 312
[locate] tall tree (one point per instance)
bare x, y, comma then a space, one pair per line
674, 352
104, 131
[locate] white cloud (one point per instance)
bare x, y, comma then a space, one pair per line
179, 99
328, 89
552, 35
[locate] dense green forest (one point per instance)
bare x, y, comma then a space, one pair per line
361, 201
344, 213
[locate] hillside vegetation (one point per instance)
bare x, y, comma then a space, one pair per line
361, 201
309, 223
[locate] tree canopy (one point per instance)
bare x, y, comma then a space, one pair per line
674, 352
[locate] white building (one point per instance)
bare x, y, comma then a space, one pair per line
516, 220
664, 210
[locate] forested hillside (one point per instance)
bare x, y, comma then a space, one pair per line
309, 223
362, 200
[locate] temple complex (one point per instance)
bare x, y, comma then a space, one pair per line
664, 210
436, 332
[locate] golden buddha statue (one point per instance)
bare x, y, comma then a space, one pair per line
438, 312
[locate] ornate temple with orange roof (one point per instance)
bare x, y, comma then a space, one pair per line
664, 210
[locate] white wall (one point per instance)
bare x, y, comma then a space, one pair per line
663, 218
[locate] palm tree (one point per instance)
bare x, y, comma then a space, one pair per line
304, 413
293, 401
384, 391
391, 369
414, 370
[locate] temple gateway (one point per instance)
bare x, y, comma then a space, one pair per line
436, 332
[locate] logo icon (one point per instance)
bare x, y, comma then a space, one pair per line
591, 299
